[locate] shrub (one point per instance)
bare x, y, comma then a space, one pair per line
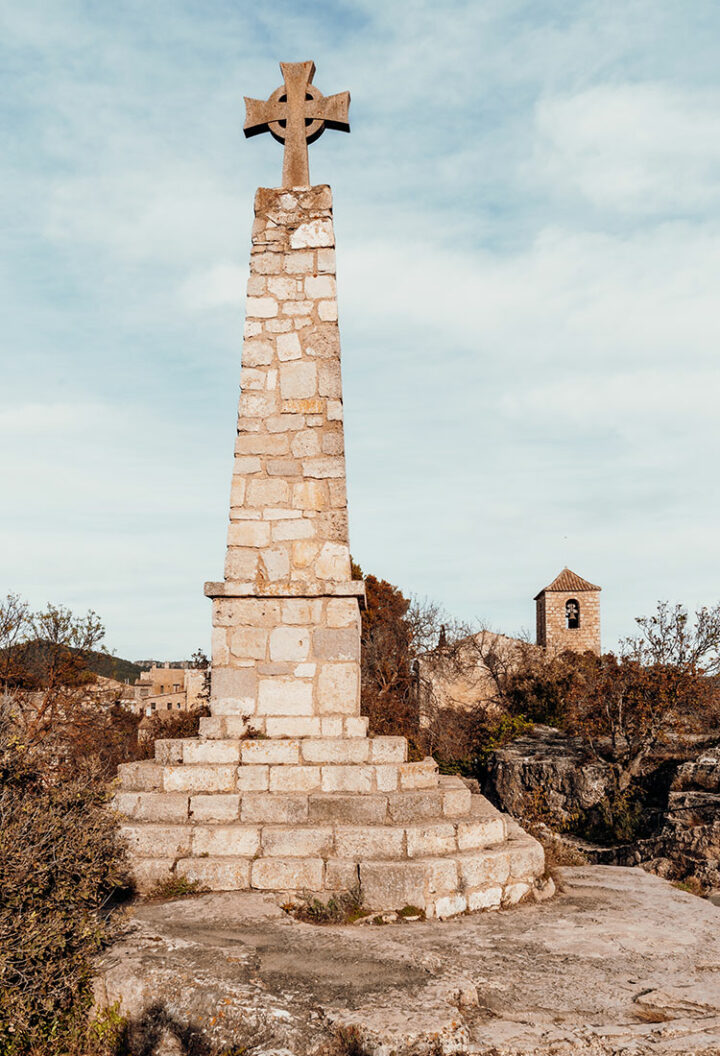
59, 863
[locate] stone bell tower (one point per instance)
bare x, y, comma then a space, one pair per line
568, 614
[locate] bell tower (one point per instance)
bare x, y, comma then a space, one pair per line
568, 614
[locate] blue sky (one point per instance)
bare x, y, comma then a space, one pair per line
528, 223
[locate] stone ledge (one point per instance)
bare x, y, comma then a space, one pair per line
234, 589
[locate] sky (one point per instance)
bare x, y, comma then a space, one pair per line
527, 213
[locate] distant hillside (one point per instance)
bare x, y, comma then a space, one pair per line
30, 660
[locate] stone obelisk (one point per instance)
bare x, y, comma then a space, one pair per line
284, 790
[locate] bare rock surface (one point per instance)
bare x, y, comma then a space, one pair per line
620, 962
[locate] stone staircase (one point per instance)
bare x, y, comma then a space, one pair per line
320, 814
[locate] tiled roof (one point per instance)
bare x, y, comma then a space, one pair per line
568, 581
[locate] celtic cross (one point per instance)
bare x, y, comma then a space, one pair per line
296, 114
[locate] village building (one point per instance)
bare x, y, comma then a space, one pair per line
169, 688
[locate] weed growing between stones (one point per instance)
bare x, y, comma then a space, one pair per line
175, 887
343, 908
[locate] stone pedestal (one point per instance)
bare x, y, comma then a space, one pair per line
283, 790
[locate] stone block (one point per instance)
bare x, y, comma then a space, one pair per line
313, 234
368, 842
289, 643
247, 612
347, 808
339, 688
269, 751
449, 906
298, 380
343, 612
168, 751
214, 726
488, 867
336, 644
326, 260
199, 778
514, 893
288, 531
527, 858
234, 683
287, 874
248, 533
340, 875
216, 874
222, 841
392, 885
262, 444
297, 263
472, 835
269, 492
311, 495
485, 898
320, 287
250, 643
241, 563
335, 750
152, 806
261, 307
296, 842
426, 841
306, 443
278, 696
456, 802
327, 311
441, 876
301, 611
274, 809
388, 749
213, 751
294, 778
225, 806
157, 841
419, 775
288, 347
355, 725
347, 778
253, 778
291, 726
414, 806
331, 727
386, 777
144, 776
149, 872
220, 652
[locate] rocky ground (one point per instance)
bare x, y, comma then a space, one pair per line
619, 962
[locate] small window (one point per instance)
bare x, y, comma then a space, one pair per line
169, 707
152, 707
572, 614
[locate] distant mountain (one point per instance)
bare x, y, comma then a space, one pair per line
27, 663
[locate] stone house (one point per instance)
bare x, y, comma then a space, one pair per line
166, 687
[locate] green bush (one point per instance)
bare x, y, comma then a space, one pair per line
59, 862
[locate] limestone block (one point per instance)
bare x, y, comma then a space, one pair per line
294, 842
241, 563
312, 234
485, 898
287, 874
152, 806
301, 610
355, 725
232, 708
216, 874
168, 751
249, 643
277, 696
326, 260
257, 352
304, 552
233, 683
289, 530
311, 495
297, 263
341, 750
221, 841
261, 307
527, 858
368, 842
386, 777
475, 834
267, 493
290, 643
334, 410
425, 841
220, 652
338, 688
333, 442
145, 776
275, 809
449, 906
414, 806
212, 751
222, 807
456, 802
327, 311
336, 644
347, 808
284, 288
332, 727
252, 379
280, 423
156, 841
306, 443
251, 612
489, 867
263, 444
343, 612
199, 778
268, 751
290, 726
266, 263
275, 562
213, 726
288, 347
324, 467
441, 876
298, 380
392, 885
237, 491
293, 308
388, 749
253, 778
419, 775
347, 778
294, 778
320, 287
340, 875
248, 533
514, 893
148, 872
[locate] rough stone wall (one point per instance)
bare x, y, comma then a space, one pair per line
552, 631
286, 622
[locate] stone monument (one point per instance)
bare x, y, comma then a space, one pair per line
284, 790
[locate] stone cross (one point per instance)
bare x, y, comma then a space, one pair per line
297, 114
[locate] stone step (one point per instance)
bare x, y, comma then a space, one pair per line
283, 751
223, 726
149, 776
442, 885
441, 837
315, 807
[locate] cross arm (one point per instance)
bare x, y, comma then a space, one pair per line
259, 113
332, 109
